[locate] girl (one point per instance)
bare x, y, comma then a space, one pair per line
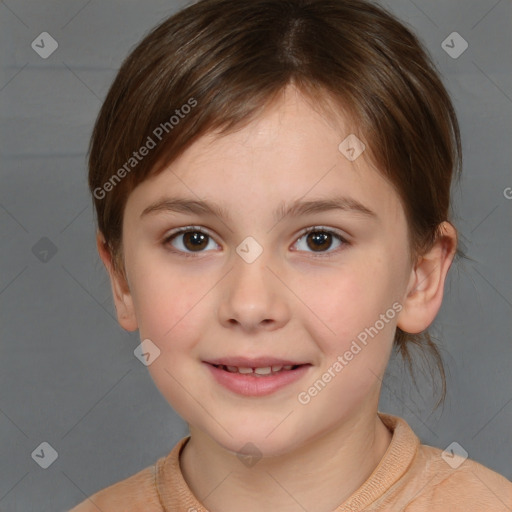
272, 185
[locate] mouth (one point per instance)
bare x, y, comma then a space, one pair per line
260, 366
256, 377
256, 371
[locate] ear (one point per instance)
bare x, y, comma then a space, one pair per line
424, 294
120, 290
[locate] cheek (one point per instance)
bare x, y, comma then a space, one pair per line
167, 303
342, 304
345, 299
171, 310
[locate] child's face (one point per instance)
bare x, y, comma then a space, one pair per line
291, 303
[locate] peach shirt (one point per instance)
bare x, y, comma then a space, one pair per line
411, 477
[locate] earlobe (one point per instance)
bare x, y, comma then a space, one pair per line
425, 289
120, 290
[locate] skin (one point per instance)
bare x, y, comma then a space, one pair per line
288, 303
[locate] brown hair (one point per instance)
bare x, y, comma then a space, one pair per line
226, 60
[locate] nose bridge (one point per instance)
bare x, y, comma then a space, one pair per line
253, 296
250, 278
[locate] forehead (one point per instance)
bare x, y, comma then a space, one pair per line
291, 151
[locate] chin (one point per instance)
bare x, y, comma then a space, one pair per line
256, 441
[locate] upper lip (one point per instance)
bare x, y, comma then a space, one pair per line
258, 362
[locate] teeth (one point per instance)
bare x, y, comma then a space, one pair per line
258, 371
263, 371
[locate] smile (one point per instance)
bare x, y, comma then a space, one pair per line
256, 380
258, 372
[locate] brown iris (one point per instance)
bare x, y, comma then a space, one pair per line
320, 240
195, 240
317, 240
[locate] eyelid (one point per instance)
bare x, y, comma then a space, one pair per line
178, 231
324, 229
187, 228
317, 228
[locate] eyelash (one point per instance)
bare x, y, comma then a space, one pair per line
313, 229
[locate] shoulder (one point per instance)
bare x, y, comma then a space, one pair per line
451, 482
414, 477
135, 493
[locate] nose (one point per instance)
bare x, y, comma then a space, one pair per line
253, 297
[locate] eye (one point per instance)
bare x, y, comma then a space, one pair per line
321, 239
194, 239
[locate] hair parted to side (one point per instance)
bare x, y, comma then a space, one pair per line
233, 58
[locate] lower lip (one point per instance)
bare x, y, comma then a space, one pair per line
249, 385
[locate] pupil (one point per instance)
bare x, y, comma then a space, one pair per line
320, 240
196, 240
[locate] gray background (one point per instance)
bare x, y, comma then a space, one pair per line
68, 373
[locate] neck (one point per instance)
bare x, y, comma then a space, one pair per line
320, 475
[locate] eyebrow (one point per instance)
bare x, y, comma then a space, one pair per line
296, 208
